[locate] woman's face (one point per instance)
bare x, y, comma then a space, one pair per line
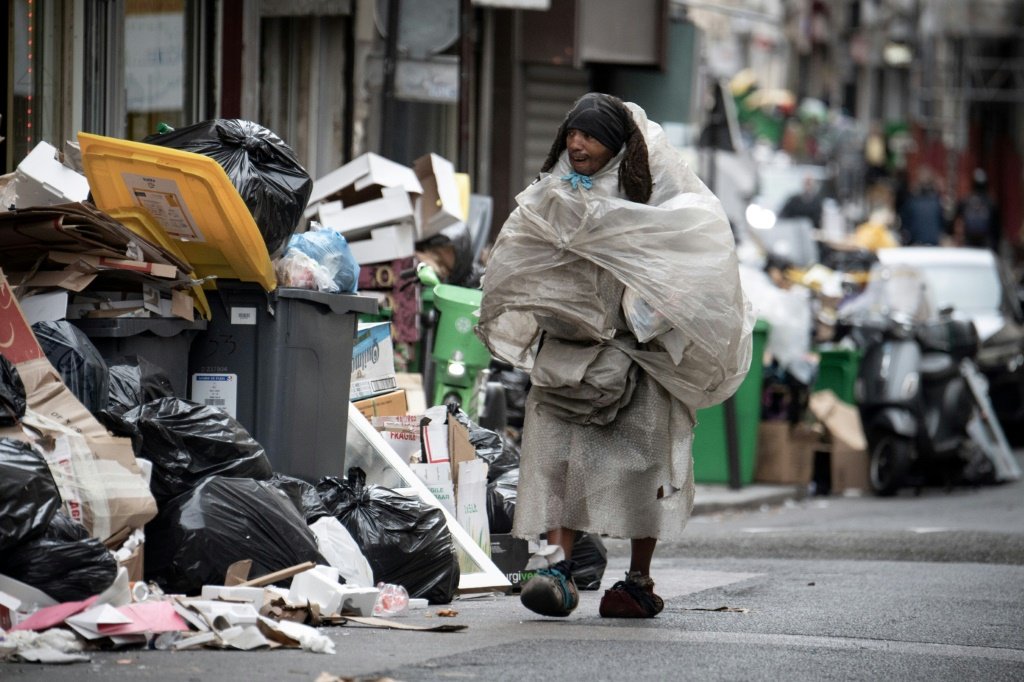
586, 154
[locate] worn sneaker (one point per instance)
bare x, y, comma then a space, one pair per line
631, 598
551, 591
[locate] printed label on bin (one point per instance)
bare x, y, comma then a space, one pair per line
216, 390
165, 202
243, 316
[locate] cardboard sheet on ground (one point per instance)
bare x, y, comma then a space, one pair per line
383, 466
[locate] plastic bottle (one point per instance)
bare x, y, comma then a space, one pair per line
391, 601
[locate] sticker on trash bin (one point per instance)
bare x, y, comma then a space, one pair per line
243, 315
165, 202
216, 390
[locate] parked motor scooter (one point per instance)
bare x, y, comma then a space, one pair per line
914, 401
455, 363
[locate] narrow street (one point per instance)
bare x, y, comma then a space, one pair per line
924, 587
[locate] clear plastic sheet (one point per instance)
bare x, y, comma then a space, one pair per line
675, 252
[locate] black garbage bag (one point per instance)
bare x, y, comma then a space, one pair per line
201, 532
302, 494
28, 494
501, 501
590, 558
405, 541
500, 453
263, 169
81, 367
134, 381
12, 393
188, 442
65, 562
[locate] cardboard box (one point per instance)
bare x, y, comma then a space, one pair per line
384, 243
785, 453
849, 459
438, 478
42, 180
373, 361
394, 206
439, 205
362, 179
387, 405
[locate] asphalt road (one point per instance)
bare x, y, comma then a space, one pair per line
926, 587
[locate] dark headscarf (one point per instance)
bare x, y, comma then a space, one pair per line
597, 116
606, 118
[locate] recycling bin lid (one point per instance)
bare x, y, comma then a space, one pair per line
196, 210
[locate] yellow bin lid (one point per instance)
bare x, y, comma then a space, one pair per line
189, 196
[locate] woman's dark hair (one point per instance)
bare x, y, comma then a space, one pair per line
634, 170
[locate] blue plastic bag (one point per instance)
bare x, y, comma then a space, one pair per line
329, 249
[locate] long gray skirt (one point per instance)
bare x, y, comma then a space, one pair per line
600, 479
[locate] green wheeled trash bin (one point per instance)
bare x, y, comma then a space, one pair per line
710, 453
837, 370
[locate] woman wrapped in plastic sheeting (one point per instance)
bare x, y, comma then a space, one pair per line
615, 284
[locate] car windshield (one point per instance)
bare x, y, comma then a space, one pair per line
968, 288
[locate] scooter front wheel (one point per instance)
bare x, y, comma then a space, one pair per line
891, 458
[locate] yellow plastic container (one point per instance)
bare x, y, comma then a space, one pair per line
183, 201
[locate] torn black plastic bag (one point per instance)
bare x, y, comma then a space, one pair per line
405, 541
73, 355
500, 453
65, 562
188, 442
135, 381
28, 494
501, 501
264, 170
302, 494
198, 534
12, 393
590, 558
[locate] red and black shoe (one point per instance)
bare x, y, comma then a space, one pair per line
631, 598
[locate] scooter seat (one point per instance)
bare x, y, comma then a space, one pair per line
936, 366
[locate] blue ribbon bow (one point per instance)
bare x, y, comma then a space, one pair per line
575, 179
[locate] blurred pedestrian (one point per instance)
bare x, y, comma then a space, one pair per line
615, 283
976, 222
922, 218
805, 204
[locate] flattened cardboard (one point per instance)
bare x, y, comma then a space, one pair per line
388, 405
390, 242
785, 453
362, 178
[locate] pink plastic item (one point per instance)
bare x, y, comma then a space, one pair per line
392, 600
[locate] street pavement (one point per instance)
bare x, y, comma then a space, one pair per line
917, 587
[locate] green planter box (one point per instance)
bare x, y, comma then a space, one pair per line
710, 456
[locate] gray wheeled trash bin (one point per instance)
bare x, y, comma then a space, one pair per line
281, 363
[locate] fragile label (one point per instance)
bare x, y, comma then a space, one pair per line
216, 390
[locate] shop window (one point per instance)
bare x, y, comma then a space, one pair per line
154, 65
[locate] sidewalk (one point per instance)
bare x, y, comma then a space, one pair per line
714, 499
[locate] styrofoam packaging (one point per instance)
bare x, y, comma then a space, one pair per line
253, 595
42, 180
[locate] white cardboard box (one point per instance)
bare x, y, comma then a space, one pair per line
394, 206
42, 180
385, 244
358, 177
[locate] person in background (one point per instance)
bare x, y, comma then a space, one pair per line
922, 218
976, 222
806, 204
615, 283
